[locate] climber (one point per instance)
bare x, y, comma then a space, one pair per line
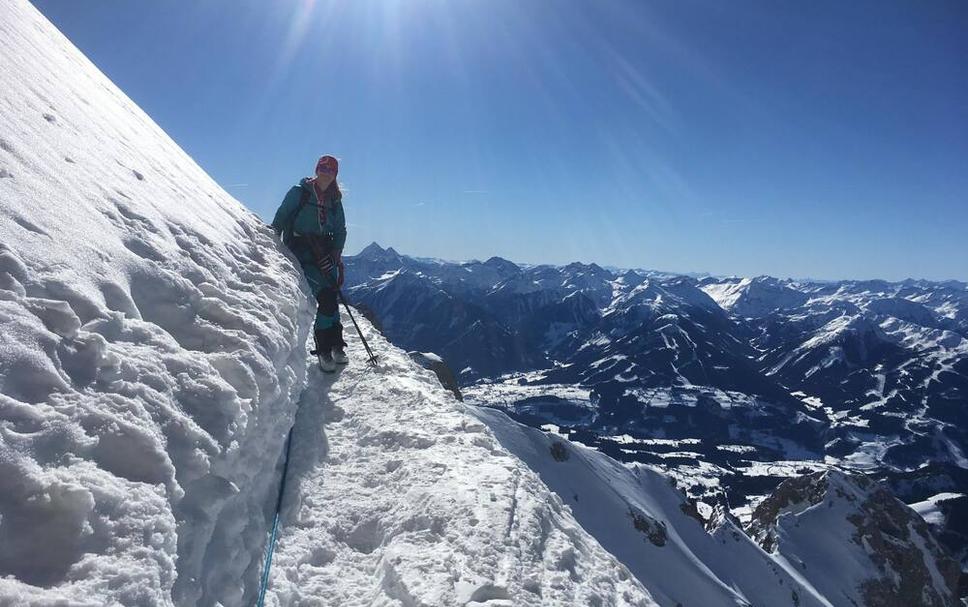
310, 221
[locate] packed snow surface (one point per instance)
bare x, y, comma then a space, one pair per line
397, 495
151, 348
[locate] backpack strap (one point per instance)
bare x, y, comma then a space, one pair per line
303, 201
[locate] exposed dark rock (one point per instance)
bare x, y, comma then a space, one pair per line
439, 367
559, 451
689, 508
896, 540
653, 529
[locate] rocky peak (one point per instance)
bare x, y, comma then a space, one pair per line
891, 559
501, 264
631, 278
374, 252
371, 250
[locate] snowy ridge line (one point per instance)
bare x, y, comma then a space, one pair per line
638, 516
398, 496
151, 348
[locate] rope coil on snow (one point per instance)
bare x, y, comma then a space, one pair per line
275, 524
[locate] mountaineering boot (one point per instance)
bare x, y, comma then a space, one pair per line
339, 356
323, 350
326, 362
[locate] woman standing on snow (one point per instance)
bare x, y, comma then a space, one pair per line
311, 222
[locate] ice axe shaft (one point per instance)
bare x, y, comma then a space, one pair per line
369, 352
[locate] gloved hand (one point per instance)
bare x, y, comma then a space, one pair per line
327, 263
332, 260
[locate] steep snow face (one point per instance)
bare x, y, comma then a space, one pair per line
150, 348
397, 495
849, 537
638, 516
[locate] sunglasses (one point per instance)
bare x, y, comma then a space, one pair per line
328, 170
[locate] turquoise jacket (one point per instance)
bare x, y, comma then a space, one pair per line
313, 219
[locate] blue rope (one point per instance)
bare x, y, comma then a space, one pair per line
275, 524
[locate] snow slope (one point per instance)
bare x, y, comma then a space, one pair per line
855, 542
643, 520
397, 495
151, 337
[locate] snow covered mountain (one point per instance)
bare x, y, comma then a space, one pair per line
645, 521
883, 562
153, 360
731, 385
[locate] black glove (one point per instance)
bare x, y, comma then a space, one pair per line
326, 263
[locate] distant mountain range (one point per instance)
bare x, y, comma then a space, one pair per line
730, 384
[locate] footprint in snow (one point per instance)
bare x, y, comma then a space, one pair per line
23, 223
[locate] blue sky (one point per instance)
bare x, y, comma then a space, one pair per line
825, 139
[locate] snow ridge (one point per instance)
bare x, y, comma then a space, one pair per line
398, 496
